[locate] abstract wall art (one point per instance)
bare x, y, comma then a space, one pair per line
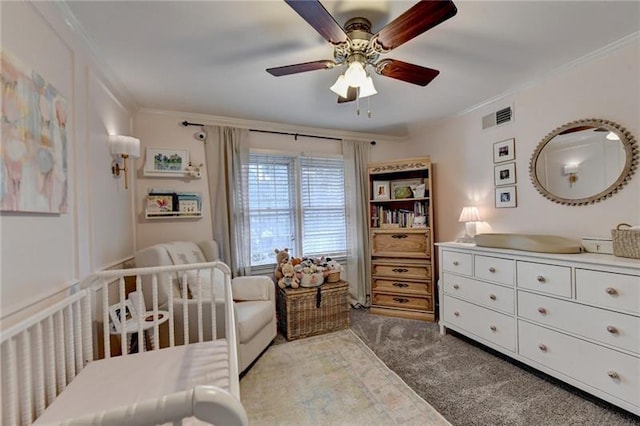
33, 155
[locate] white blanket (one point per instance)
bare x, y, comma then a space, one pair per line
125, 380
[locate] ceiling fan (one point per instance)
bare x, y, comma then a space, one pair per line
358, 48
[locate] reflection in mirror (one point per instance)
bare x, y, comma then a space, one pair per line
583, 162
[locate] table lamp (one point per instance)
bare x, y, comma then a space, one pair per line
469, 216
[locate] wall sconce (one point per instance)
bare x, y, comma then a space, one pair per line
571, 170
124, 146
469, 216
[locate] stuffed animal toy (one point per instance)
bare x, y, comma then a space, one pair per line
289, 278
282, 257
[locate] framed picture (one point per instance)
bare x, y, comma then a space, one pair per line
504, 151
505, 174
506, 197
166, 160
117, 316
380, 190
159, 203
404, 188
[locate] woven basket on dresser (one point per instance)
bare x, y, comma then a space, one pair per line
626, 242
304, 312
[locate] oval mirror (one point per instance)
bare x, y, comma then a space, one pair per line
583, 162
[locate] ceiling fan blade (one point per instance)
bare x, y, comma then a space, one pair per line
418, 19
406, 72
317, 16
352, 94
304, 67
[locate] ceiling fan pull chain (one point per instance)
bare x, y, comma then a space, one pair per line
358, 101
369, 106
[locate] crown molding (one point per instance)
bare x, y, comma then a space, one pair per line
214, 120
596, 54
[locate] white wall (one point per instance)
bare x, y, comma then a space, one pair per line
43, 255
607, 87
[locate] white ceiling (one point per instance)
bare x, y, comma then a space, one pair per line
209, 57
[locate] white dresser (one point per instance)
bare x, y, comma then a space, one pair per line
573, 316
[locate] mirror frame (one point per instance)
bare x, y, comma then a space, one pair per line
629, 144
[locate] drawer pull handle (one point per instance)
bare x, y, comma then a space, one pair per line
493, 327
492, 269
456, 263
611, 329
541, 279
401, 285
492, 296
611, 291
542, 311
399, 236
401, 299
542, 347
400, 270
456, 286
456, 313
613, 374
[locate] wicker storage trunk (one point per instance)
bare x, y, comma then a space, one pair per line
304, 312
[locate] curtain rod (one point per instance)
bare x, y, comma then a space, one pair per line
295, 135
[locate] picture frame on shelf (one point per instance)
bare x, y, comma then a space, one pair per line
166, 160
160, 203
404, 188
381, 190
505, 174
506, 197
504, 151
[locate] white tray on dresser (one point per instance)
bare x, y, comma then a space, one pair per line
573, 316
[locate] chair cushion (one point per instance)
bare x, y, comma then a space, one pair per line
253, 316
185, 252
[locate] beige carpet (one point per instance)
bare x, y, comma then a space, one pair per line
332, 379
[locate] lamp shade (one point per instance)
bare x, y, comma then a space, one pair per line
367, 89
355, 75
124, 145
340, 87
469, 214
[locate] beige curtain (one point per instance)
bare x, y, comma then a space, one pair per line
356, 155
227, 159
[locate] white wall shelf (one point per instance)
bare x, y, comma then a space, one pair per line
168, 203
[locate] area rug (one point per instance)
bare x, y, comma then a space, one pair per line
331, 379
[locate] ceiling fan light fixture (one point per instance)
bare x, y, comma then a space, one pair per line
340, 87
367, 89
355, 75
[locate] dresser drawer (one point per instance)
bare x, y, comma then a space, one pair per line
490, 295
401, 270
401, 243
494, 269
608, 370
403, 287
551, 279
489, 325
608, 289
460, 263
615, 329
402, 301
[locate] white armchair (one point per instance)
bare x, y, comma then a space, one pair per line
254, 298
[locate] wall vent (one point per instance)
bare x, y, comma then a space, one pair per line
502, 116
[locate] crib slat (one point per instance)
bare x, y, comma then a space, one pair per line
87, 346
24, 378
124, 340
10, 390
140, 310
39, 378
60, 361
199, 306
172, 335
77, 332
155, 336
214, 331
185, 309
70, 337
50, 371
106, 336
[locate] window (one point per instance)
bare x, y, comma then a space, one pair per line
296, 202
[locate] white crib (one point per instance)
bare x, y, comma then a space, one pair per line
49, 375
